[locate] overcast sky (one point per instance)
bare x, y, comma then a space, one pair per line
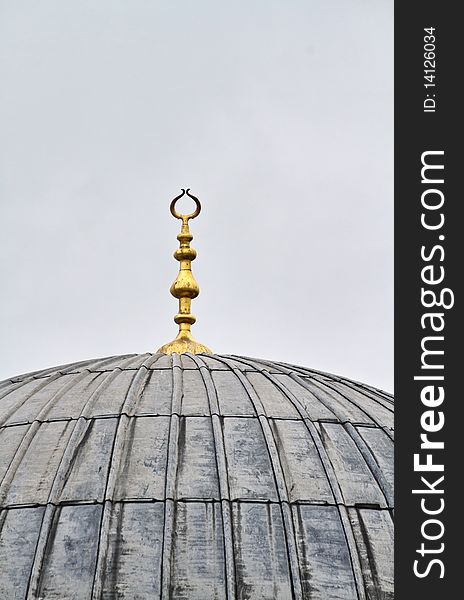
277, 114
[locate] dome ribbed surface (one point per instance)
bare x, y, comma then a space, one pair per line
194, 477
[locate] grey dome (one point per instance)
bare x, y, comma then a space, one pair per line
194, 477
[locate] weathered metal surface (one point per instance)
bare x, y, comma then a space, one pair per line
301, 463
232, 397
325, 558
69, 562
142, 472
31, 473
132, 568
18, 540
155, 398
312, 405
272, 399
381, 447
194, 398
10, 439
194, 477
249, 464
197, 568
260, 552
373, 530
87, 471
356, 480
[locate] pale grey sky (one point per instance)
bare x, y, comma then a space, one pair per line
277, 114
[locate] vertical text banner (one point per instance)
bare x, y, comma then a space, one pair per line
429, 259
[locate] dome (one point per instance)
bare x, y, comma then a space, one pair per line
194, 477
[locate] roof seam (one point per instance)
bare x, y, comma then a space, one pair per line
223, 477
260, 501
194, 416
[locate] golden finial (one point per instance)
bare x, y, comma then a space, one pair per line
185, 288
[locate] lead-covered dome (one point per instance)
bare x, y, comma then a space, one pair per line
194, 477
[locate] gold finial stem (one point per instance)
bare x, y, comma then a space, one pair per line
185, 288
